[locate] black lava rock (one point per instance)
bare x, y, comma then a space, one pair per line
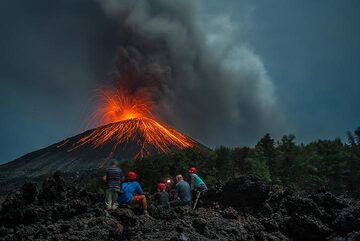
67, 212
244, 191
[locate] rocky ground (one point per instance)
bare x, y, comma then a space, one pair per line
242, 209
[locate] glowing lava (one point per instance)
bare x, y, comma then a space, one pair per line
145, 132
131, 121
119, 105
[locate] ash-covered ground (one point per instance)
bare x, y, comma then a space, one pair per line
244, 208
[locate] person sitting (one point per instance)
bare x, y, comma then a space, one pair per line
161, 196
132, 192
197, 184
183, 192
113, 178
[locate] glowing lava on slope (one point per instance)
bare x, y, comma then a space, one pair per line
131, 121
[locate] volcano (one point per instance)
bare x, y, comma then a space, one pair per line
128, 130
128, 139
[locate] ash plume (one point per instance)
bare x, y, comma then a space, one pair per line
202, 83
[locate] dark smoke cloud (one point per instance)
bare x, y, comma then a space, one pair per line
203, 83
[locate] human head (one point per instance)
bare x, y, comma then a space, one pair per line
161, 186
131, 176
192, 170
114, 162
179, 178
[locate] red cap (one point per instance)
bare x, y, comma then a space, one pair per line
161, 186
131, 176
192, 170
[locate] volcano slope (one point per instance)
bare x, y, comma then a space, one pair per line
93, 149
244, 208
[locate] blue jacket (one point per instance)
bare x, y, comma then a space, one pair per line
184, 191
128, 190
197, 180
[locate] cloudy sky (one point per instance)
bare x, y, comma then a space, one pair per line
275, 66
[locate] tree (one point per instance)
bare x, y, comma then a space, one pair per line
257, 164
285, 155
267, 149
352, 166
224, 162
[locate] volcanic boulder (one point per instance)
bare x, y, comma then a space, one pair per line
29, 192
245, 191
242, 191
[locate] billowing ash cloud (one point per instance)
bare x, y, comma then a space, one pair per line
204, 84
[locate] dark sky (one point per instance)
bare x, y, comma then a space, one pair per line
53, 54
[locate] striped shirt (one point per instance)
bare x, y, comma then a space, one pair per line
113, 177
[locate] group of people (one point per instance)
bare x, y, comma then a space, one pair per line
127, 190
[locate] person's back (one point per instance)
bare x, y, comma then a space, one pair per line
198, 182
132, 192
113, 179
162, 199
184, 191
128, 189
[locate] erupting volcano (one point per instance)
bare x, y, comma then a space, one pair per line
132, 122
127, 129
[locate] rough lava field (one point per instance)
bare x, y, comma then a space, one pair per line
244, 208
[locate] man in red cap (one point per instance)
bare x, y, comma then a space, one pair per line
132, 192
162, 197
197, 184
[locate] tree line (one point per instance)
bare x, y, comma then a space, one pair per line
323, 164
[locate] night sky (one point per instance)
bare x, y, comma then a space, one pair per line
302, 56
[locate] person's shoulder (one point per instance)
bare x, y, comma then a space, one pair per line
126, 182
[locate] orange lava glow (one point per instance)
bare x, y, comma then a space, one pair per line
118, 105
127, 118
147, 133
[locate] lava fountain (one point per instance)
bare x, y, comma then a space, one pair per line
126, 118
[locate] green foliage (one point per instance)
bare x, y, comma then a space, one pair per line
258, 165
328, 164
